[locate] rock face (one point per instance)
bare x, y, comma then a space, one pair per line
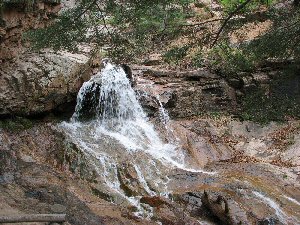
35, 83
38, 83
186, 94
16, 18
35, 180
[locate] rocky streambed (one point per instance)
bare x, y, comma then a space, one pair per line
183, 158
239, 173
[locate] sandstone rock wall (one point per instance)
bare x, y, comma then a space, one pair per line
15, 19
36, 82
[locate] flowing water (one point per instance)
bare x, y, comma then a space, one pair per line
111, 128
120, 133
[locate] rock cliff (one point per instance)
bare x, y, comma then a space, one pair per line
35, 82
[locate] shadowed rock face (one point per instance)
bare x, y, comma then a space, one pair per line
185, 94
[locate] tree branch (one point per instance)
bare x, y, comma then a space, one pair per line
86, 9
241, 6
202, 23
33, 218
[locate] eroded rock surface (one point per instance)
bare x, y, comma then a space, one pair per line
15, 19
39, 83
40, 173
36, 82
185, 94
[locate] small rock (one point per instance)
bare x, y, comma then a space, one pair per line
27, 158
58, 208
261, 78
235, 83
153, 201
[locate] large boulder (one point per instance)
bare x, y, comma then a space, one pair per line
39, 83
35, 83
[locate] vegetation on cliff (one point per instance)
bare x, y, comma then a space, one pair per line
231, 37
131, 28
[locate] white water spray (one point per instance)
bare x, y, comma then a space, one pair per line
119, 131
120, 116
278, 211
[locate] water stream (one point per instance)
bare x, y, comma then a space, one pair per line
110, 126
120, 132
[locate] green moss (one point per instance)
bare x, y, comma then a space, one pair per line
198, 60
231, 5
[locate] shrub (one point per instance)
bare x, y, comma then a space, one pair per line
175, 55
277, 105
229, 60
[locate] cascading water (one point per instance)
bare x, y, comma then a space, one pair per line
119, 131
111, 128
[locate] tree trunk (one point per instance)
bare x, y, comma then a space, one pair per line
33, 218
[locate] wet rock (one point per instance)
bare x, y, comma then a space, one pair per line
129, 180
89, 101
149, 103
220, 208
154, 201
269, 221
77, 162
129, 74
46, 185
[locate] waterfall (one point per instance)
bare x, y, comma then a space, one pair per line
110, 126
276, 207
120, 116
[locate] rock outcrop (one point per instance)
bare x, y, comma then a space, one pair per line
185, 94
36, 83
39, 174
17, 17
39, 83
